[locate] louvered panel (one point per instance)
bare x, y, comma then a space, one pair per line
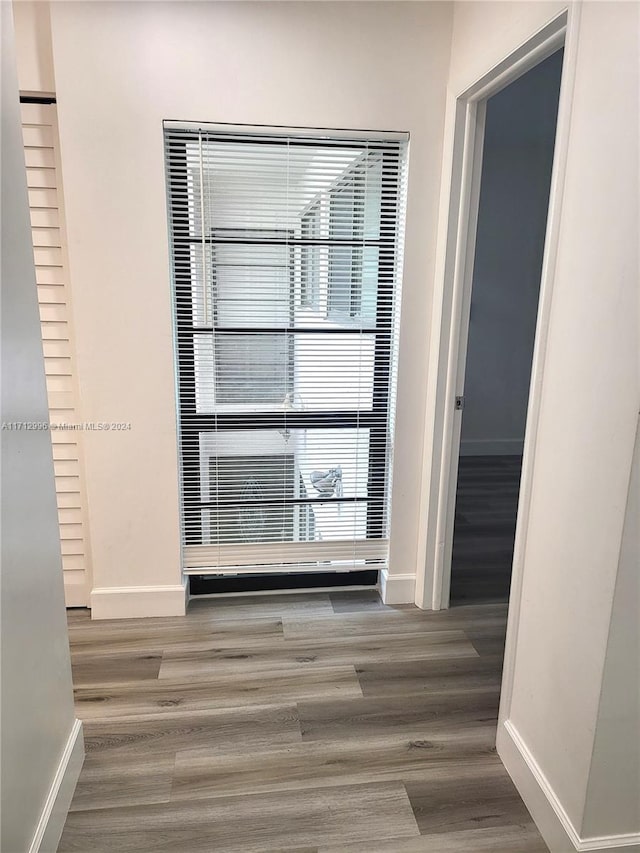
40, 136
71, 515
45, 217
38, 178
47, 256
65, 452
61, 433
37, 137
66, 468
40, 115
60, 405
54, 331
56, 349
53, 313
39, 158
60, 385
46, 198
57, 366
68, 484
68, 500
62, 437
72, 547
52, 294
45, 237
73, 533
50, 275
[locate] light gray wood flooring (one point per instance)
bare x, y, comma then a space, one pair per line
314, 723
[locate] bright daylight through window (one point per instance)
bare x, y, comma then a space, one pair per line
286, 250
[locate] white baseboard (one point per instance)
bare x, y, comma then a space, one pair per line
133, 602
75, 588
549, 814
397, 589
491, 447
54, 812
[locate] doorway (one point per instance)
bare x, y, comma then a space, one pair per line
500, 319
452, 305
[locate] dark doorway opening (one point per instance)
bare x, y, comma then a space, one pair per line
515, 182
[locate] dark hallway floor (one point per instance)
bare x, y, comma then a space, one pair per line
485, 522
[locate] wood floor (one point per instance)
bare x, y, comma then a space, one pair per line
315, 723
484, 528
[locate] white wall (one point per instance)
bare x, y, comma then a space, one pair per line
590, 399
120, 69
613, 795
38, 722
514, 196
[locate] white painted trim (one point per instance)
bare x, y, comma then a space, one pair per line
565, 107
133, 602
533, 786
56, 806
612, 843
397, 589
75, 592
457, 217
550, 816
458, 342
492, 447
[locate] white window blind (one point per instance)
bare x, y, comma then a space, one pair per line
286, 252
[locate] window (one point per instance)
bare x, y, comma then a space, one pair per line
286, 256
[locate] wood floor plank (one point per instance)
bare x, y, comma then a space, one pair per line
326, 816
135, 779
216, 692
377, 622
233, 729
487, 646
330, 651
430, 676
116, 667
351, 601
312, 764
457, 804
418, 716
190, 634
248, 607
523, 838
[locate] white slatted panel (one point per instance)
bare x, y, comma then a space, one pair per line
287, 253
40, 138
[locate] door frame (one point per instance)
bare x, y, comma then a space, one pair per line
450, 317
